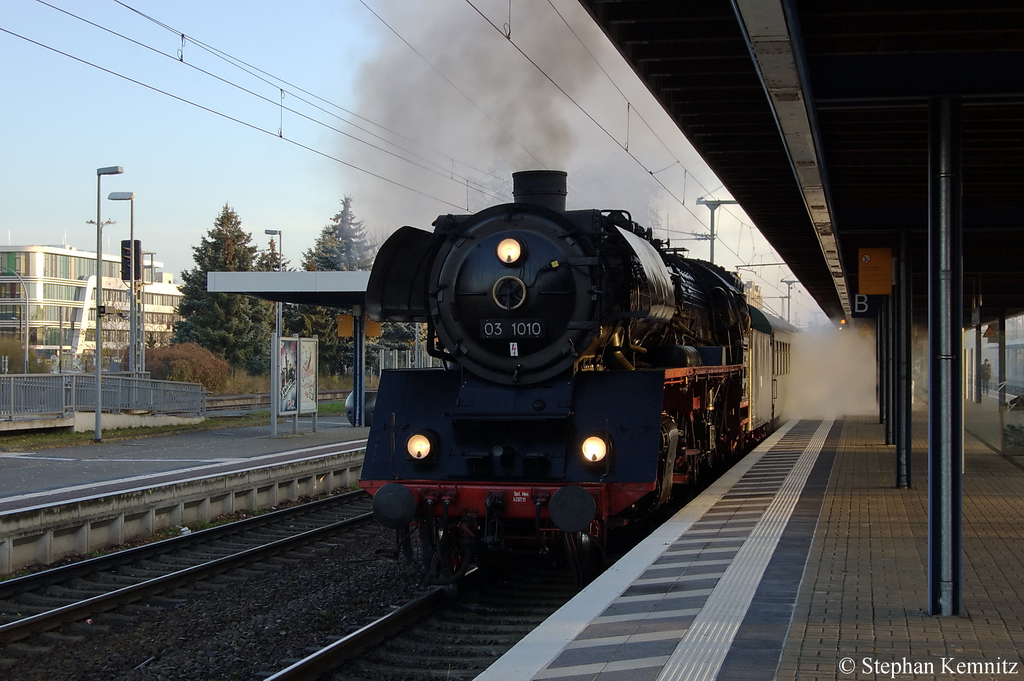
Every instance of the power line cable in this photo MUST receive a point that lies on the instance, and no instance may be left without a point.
(633, 108)
(449, 81)
(276, 81)
(230, 118)
(625, 148)
(437, 170)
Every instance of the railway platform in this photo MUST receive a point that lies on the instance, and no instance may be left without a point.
(802, 562)
(59, 474)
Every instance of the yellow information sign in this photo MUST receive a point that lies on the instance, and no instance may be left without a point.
(874, 271)
(373, 329)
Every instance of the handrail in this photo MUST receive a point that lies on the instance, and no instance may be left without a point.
(23, 395)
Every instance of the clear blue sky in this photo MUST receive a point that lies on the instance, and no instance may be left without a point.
(449, 106)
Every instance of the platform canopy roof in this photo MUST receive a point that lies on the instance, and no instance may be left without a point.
(814, 115)
(330, 289)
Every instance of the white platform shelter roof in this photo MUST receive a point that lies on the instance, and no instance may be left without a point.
(330, 289)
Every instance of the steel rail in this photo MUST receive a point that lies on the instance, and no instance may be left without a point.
(327, 659)
(53, 618)
(42, 579)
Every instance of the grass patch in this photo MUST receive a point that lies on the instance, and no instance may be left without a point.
(240, 383)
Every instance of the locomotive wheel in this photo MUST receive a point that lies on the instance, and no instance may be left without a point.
(444, 557)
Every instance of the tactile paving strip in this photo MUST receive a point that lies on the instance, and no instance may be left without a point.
(678, 619)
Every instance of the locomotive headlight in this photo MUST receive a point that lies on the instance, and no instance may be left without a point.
(594, 449)
(509, 251)
(421, 444)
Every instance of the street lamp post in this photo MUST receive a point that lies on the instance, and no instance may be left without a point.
(133, 315)
(280, 264)
(100, 172)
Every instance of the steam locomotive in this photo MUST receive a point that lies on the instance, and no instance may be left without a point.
(588, 369)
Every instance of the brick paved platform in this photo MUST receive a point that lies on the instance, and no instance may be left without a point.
(842, 596)
(864, 594)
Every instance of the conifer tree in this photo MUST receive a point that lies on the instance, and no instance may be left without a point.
(342, 244)
(235, 327)
(269, 260)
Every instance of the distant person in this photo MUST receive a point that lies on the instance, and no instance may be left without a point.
(986, 376)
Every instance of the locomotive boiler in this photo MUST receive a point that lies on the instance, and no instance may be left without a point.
(587, 368)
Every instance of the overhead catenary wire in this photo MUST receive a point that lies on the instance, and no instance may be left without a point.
(228, 117)
(437, 170)
(447, 172)
(275, 81)
(657, 136)
(586, 113)
(443, 172)
(449, 81)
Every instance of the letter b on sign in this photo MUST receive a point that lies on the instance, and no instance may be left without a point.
(864, 305)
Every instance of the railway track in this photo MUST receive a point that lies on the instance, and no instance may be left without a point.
(447, 633)
(75, 592)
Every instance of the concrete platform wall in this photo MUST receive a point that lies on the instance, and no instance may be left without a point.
(43, 535)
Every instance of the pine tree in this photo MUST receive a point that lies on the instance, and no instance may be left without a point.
(235, 327)
(342, 244)
(269, 260)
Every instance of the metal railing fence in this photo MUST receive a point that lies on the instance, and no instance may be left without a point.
(29, 395)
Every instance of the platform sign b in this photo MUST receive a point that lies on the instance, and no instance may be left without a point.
(864, 306)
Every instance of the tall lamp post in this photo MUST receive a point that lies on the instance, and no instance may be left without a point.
(100, 172)
(280, 264)
(24, 290)
(133, 314)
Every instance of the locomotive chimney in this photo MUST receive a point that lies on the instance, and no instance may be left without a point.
(540, 187)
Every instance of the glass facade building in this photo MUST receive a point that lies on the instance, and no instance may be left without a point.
(52, 289)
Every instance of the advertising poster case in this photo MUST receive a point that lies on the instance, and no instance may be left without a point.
(288, 364)
(308, 375)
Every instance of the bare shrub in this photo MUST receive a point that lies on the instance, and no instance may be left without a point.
(188, 362)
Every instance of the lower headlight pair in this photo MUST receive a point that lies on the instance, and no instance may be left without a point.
(423, 443)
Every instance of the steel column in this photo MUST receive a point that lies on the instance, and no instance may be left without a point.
(882, 336)
(977, 360)
(358, 365)
(1002, 361)
(945, 347)
(904, 358)
(275, 381)
(891, 413)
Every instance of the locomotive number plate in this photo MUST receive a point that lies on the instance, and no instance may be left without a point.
(511, 328)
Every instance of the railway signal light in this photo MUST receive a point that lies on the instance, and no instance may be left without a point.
(126, 260)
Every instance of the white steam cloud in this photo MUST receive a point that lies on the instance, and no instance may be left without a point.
(833, 375)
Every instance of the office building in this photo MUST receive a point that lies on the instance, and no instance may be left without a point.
(61, 310)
